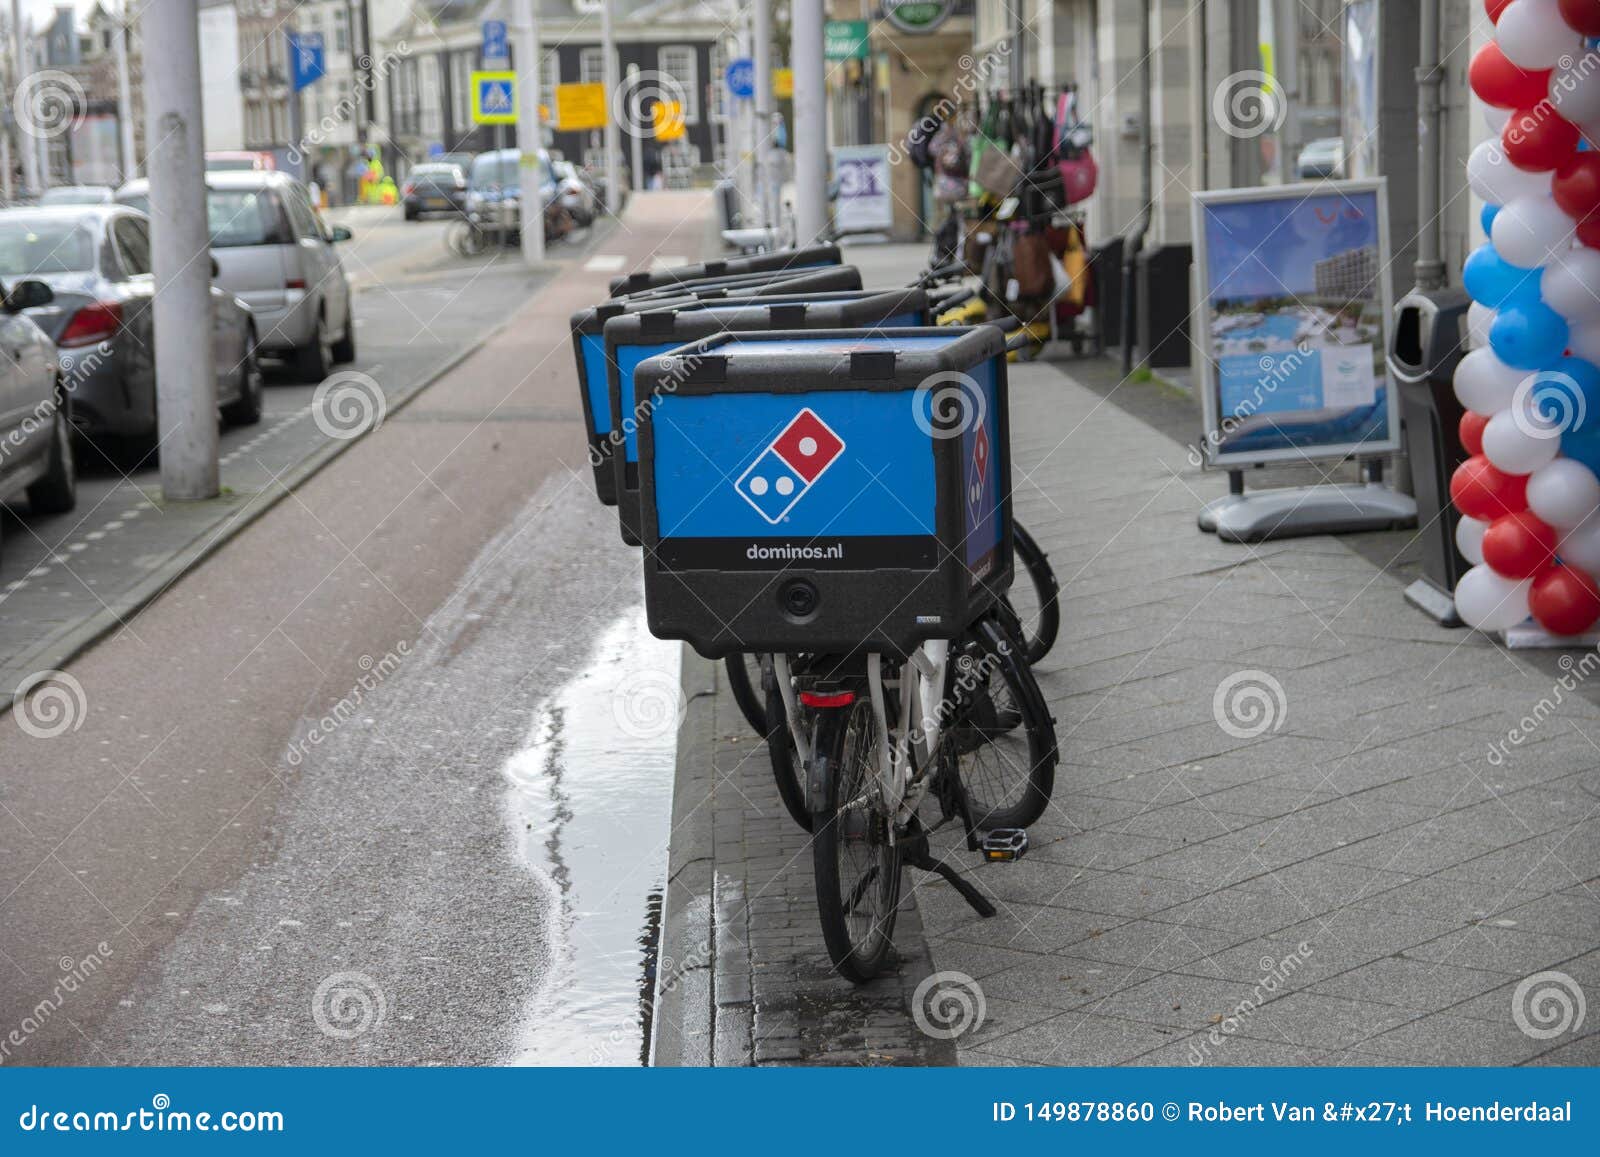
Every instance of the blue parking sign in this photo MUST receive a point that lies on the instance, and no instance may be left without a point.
(306, 64)
(495, 45)
(741, 77)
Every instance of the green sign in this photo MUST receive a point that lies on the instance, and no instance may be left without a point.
(844, 40)
(917, 15)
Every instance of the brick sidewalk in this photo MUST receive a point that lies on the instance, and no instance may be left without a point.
(1345, 876)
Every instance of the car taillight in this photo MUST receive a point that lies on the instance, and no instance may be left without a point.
(407, 189)
(94, 322)
(295, 283)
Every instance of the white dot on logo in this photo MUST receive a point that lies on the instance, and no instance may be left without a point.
(785, 486)
(808, 446)
(758, 486)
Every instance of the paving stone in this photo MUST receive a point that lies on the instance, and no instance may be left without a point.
(1079, 1039)
(1454, 1040)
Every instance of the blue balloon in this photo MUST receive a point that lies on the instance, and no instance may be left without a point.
(1494, 281)
(1583, 446)
(1490, 212)
(1567, 396)
(1528, 335)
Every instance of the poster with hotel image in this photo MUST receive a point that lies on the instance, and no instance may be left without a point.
(1295, 305)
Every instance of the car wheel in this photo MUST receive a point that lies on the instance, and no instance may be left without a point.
(247, 410)
(344, 350)
(57, 491)
(411, 214)
(315, 358)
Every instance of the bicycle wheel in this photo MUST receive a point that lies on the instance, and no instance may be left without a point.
(857, 866)
(1003, 732)
(751, 705)
(1037, 599)
(786, 768)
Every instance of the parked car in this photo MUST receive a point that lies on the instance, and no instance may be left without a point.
(96, 261)
(238, 161)
(494, 187)
(274, 251)
(1322, 159)
(78, 195)
(35, 424)
(575, 193)
(434, 188)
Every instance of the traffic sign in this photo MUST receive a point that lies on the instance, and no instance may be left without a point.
(496, 47)
(580, 106)
(845, 40)
(494, 98)
(306, 62)
(741, 77)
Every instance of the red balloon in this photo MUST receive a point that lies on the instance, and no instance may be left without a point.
(1576, 186)
(1519, 546)
(1538, 139)
(1471, 430)
(1502, 84)
(1495, 7)
(1583, 15)
(1564, 601)
(1480, 491)
(1589, 232)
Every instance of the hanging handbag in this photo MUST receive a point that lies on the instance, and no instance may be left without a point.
(1074, 160)
(1030, 265)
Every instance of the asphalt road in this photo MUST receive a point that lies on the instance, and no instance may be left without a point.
(314, 805)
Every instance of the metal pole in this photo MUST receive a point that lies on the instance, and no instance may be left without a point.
(810, 111)
(636, 135)
(613, 137)
(762, 58)
(1147, 212)
(530, 137)
(6, 191)
(23, 68)
(1429, 266)
(186, 384)
(130, 161)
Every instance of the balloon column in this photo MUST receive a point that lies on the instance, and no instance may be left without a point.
(1529, 495)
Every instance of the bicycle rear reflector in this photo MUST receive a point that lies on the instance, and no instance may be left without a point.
(631, 338)
(824, 491)
(810, 257)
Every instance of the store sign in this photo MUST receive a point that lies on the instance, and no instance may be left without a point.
(917, 15)
(844, 40)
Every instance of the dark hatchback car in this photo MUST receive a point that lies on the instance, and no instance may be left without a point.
(434, 188)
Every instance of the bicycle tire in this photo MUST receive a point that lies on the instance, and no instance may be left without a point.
(1004, 735)
(786, 769)
(1042, 624)
(851, 833)
(751, 705)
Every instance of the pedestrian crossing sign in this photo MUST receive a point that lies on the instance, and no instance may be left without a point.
(494, 98)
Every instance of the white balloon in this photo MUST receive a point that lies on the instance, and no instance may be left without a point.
(1484, 383)
(1469, 538)
(1496, 118)
(1575, 89)
(1479, 318)
(1571, 284)
(1494, 178)
(1518, 446)
(1532, 231)
(1533, 35)
(1584, 341)
(1491, 602)
(1563, 493)
(1580, 546)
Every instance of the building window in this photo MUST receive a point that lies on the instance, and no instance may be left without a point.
(549, 77)
(592, 65)
(461, 90)
(678, 62)
(341, 35)
(719, 92)
(431, 101)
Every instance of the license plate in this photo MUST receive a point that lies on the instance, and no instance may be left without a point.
(436, 202)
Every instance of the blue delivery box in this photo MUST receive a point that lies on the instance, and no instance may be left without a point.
(806, 257)
(825, 491)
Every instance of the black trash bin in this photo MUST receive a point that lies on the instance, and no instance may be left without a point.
(809, 257)
(1425, 345)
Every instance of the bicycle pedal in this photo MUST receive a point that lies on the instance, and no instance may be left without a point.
(1004, 845)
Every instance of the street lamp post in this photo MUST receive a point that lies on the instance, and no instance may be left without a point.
(528, 133)
(810, 136)
(130, 162)
(22, 67)
(186, 384)
(762, 58)
(613, 138)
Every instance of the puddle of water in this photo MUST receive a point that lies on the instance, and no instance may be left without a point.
(590, 795)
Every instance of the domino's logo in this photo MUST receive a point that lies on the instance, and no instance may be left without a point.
(790, 466)
(978, 474)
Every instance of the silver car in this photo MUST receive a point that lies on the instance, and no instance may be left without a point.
(96, 261)
(276, 254)
(35, 430)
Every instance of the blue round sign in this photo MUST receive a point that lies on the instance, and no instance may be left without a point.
(741, 77)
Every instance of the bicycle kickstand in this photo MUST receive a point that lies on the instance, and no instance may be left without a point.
(914, 853)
